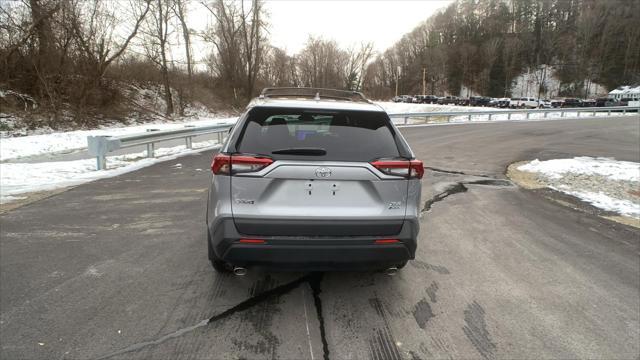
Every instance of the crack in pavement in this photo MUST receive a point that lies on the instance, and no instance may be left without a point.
(314, 283)
(455, 172)
(313, 279)
(459, 187)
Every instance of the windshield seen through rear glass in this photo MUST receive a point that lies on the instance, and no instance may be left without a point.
(298, 134)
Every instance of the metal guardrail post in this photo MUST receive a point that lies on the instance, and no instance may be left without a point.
(101, 162)
(220, 138)
(151, 147)
(608, 112)
(469, 117)
(561, 113)
(545, 114)
(188, 140)
(508, 116)
(448, 118)
(406, 118)
(490, 117)
(528, 115)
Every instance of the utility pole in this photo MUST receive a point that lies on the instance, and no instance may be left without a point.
(397, 79)
(424, 81)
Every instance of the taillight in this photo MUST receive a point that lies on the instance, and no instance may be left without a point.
(411, 169)
(221, 164)
(245, 164)
(234, 164)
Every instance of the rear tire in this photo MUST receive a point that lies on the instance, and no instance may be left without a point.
(402, 264)
(218, 264)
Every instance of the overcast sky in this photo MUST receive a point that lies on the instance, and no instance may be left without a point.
(349, 22)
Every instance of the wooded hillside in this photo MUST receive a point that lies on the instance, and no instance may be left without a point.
(484, 44)
(76, 58)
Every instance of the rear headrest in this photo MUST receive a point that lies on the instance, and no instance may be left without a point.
(340, 120)
(278, 121)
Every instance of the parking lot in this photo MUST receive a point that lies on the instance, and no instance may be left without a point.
(118, 268)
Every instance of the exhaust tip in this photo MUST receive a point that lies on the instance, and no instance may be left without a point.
(239, 271)
(391, 271)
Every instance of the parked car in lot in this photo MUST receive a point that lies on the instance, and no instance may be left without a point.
(556, 103)
(544, 104)
(322, 183)
(503, 102)
(462, 101)
(600, 102)
(571, 103)
(589, 103)
(407, 99)
(479, 101)
(426, 99)
(448, 100)
(402, 99)
(524, 102)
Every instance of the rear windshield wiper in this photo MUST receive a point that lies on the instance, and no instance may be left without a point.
(301, 151)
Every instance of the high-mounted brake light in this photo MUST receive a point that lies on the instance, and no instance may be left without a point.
(411, 169)
(234, 164)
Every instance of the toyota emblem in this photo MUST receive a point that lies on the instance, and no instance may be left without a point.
(323, 172)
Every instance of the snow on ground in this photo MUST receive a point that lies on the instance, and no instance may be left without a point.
(17, 147)
(603, 182)
(21, 178)
(615, 170)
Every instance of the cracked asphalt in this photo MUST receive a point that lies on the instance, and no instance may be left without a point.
(118, 268)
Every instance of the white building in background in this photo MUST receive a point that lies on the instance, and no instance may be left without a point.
(625, 92)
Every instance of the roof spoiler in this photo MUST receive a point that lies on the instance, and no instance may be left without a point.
(313, 93)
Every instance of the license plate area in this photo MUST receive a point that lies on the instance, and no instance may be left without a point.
(321, 188)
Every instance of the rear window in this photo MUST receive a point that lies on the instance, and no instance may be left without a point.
(324, 135)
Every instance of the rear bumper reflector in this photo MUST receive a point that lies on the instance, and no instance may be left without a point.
(252, 241)
(386, 241)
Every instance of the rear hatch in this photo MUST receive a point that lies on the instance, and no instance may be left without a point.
(318, 173)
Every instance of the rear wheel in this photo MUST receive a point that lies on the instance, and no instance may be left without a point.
(218, 264)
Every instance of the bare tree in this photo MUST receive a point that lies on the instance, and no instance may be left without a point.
(94, 26)
(354, 70)
(156, 42)
(181, 13)
(239, 42)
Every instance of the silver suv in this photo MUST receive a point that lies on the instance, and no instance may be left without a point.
(313, 179)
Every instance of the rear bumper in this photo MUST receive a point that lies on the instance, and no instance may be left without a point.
(313, 252)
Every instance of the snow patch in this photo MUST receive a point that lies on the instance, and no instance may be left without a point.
(605, 183)
(20, 178)
(612, 169)
(60, 142)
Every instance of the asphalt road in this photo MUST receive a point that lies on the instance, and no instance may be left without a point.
(118, 268)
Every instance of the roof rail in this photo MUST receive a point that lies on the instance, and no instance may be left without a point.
(314, 93)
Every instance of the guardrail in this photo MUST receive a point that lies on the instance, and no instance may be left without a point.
(492, 114)
(100, 146)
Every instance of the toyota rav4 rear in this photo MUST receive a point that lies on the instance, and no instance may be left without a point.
(322, 182)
